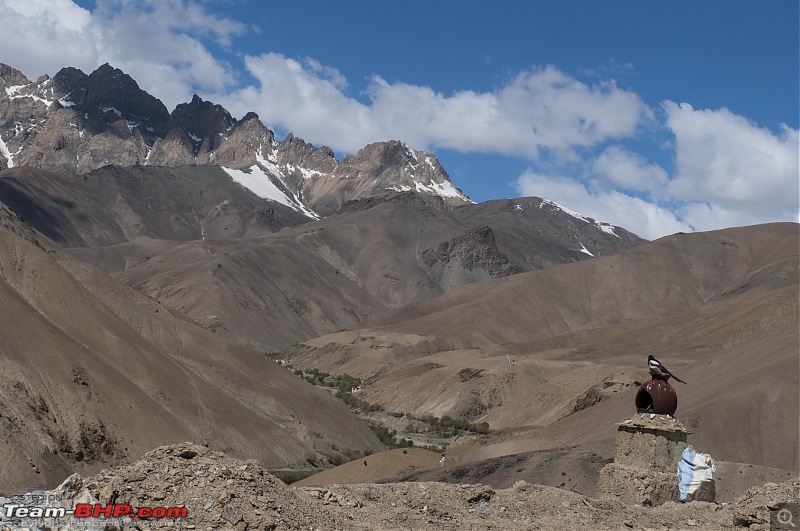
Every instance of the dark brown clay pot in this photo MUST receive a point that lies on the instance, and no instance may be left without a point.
(657, 396)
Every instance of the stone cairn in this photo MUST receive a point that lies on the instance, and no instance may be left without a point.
(647, 450)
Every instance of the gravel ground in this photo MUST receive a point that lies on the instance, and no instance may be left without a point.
(220, 492)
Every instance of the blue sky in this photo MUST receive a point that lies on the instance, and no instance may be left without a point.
(657, 116)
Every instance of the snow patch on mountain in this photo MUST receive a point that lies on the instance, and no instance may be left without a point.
(66, 102)
(563, 209)
(445, 189)
(15, 92)
(430, 163)
(261, 181)
(411, 153)
(310, 174)
(258, 181)
(605, 227)
(6, 153)
(271, 157)
(305, 172)
(12, 91)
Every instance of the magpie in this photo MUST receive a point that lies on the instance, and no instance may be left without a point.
(656, 369)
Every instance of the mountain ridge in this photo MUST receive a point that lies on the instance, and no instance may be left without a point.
(78, 123)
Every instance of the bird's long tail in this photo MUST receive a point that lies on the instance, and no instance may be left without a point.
(676, 378)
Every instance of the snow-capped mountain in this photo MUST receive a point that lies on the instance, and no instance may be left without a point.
(77, 123)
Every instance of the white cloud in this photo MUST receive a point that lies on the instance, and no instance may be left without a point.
(706, 216)
(40, 35)
(637, 215)
(327, 73)
(725, 159)
(728, 172)
(302, 100)
(541, 109)
(59, 14)
(628, 170)
(158, 43)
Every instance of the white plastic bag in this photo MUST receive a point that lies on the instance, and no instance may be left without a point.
(696, 476)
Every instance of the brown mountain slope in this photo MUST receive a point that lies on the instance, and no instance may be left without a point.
(84, 387)
(559, 236)
(273, 291)
(672, 274)
(739, 352)
(206, 247)
(113, 206)
(302, 282)
(266, 295)
(738, 357)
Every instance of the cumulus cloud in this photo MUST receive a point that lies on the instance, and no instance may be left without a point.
(628, 170)
(303, 98)
(539, 109)
(638, 215)
(159, 43)
(728, 172)
(42, 34)
(726, 160)
(708, 216)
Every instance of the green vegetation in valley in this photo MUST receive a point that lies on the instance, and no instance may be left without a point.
(389, 438)
(449, 427)
(444, 427)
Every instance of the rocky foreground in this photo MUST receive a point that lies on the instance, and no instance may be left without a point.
(220, 492)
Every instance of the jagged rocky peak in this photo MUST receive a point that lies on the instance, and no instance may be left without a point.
(10, 76)
(380, 156)
(109, 86)
(248, 142)
(21, 90)
(395, 158)
(201, 119)
(79, 122)
(25, 107)
(378, 169)
(396, 166)
(297, 152)
(195, 130)
(109, 94)
(67, 81)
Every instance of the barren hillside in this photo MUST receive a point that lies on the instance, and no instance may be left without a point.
(85, 387)
(553, 358)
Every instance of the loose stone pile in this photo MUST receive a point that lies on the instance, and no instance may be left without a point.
(220, 492)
